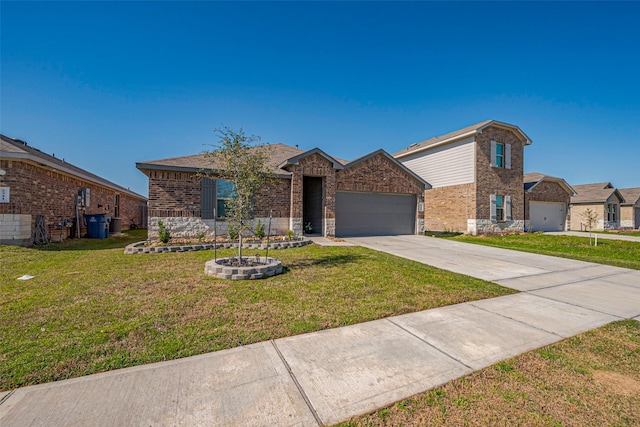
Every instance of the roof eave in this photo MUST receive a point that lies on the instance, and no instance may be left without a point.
(77, 173)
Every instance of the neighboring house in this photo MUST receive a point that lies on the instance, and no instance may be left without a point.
(374, 194)
(630, 209)
(546, 202)
(603, 199)
(476, 174)
(33, 183)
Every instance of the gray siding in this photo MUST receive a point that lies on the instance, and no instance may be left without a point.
(451, 164)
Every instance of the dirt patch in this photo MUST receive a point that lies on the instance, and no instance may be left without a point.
(617, 383)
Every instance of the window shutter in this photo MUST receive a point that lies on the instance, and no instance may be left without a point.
(507, 156)
(493, 155)
(507, 207)
(207, 198)
(493, 207)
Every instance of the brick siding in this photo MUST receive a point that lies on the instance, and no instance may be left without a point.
(546, 191)
(502, 181)
(448, 208)
(35, 190)
(577, 216)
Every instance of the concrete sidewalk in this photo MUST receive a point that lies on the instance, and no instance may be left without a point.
(329, 376)
(605, 236)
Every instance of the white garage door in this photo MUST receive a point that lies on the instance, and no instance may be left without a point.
(374, 214)
(546, 216)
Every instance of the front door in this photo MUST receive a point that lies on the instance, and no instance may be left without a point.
(312, 205)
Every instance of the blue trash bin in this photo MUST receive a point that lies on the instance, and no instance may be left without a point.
(97, 225)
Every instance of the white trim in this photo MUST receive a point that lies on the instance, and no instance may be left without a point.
(494, 160)
(492, 201)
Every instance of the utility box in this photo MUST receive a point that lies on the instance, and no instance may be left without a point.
(97, 226)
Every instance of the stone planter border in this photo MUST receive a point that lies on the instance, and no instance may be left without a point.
(272, 267)
(140, 248)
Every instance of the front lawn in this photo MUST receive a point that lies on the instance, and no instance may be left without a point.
(91, 308)
(618, 253)
(592, 379)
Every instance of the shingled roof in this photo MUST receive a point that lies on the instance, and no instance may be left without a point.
(631, 195)
(595, 193)
(278, 154)
(460, 134)
(532, 179)
(17, 149)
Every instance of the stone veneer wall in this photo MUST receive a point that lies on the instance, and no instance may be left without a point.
(191, 227)
(491, 180)
(35, 190)
(546, 191)
(449, 208)
(15, 229)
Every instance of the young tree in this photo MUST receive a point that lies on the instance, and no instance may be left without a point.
(590, 217)
(236, 159)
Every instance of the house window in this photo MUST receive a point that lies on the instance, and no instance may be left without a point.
(224, 194)
(500, 155)
(500, 208)
(214, 198)
(612, 212)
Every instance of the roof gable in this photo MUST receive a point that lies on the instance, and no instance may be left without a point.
(381, 152)
(595, 193)
(296, 159)
(532, 179)
(459, 134)
(631, 195)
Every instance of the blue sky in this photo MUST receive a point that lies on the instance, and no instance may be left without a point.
(109, 84)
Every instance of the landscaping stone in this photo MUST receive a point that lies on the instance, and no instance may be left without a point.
(217, 268)
(140, 248)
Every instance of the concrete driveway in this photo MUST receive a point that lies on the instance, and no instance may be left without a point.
(329, 376)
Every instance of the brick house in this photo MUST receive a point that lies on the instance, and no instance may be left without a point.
(374, 194)
(33, 183)
(476, 175)
(546, 202)
(603, 199)
(630, 208)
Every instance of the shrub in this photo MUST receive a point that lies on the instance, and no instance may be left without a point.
(260, 230)
(163, 233)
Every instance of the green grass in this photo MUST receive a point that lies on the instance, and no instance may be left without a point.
(91, 308)
(611, 252)
(635, 233)
(591, 379)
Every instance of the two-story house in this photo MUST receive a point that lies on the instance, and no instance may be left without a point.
(476, 175)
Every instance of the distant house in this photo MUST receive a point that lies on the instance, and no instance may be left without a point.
(314, 192)
(630, 209)
(546, 200)
(34, 183)
(476, 178)
(603, 199)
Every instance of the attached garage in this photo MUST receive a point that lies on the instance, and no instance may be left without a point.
(545, 202)
(547, 216)
(374, 214)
